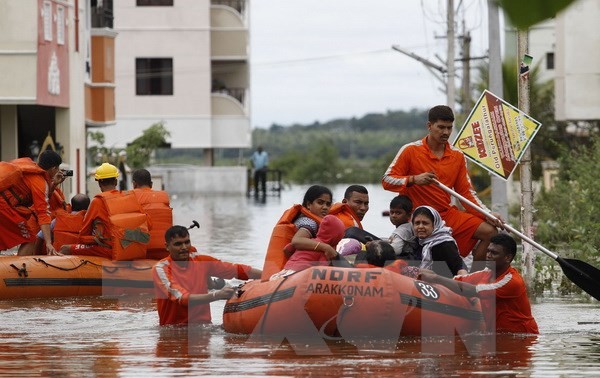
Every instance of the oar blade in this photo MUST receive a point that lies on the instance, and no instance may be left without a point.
(582, 274)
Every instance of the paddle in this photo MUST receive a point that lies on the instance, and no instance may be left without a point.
(580, 273)
(194, 224)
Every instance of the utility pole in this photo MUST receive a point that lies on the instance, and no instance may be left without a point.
(526, 187)
(450, 88)
(466, 103)
(499, 192)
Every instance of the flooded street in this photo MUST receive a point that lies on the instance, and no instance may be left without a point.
(106, 337)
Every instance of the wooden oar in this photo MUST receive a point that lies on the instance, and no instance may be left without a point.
(579, 272)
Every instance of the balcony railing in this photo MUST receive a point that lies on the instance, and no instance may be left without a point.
(237, 93)
(103, 16)
(238, 5)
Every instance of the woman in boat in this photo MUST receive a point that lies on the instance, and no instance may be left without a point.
(330, 231)
(436, 242)
(296, 230)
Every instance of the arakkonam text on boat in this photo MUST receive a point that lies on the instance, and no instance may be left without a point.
(334, 302)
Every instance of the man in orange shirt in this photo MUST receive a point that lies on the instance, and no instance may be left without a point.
(419, 163)
(500, 287)
(24, 203)
(181, 280)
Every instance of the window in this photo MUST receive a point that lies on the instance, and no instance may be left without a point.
(550, 61)
(60, 25)
(47, 12)
(153, 76)
(154, 3)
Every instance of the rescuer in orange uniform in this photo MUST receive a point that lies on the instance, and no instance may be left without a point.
(24, 200)
(419, 163)
(156, 204)
(181, 280)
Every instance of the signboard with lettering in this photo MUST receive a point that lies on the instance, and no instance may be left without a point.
(496, 134)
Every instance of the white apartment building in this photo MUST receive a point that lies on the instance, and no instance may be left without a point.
(577, 81)
(566, 49)
(44, 46)
(184, 63)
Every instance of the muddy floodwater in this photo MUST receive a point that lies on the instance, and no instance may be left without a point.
(120, 337)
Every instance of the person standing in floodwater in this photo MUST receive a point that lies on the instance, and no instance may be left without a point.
(260, 162)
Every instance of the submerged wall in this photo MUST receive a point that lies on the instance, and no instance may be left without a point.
(190, 179)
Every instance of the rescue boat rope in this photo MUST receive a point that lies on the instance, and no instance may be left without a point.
(347, 302)
(112, 269)
(85, 262)
(264, 317)
(21, 271)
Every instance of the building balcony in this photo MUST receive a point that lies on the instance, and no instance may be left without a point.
(229, 101)
(102, 16)
(100, 91)
(103, 55)
(99, 104)
(229, 32)
(239, 6)
(230, 122)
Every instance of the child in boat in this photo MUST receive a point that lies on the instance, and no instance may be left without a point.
(403, 240)
(331, 231)
(380, 253)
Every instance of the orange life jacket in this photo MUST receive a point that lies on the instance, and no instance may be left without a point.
(128, 225)
(344, 213)
(282, 234)
(58, 203)
(66, 228)
(12, 187)
(156, 204)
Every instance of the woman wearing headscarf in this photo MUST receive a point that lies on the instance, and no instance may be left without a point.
(437, 243)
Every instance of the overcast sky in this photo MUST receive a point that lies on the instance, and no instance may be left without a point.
(316, 60)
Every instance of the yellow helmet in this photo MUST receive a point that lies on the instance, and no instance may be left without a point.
(106, 171)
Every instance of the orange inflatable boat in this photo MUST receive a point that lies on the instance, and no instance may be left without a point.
(348, 303)
(71, 276)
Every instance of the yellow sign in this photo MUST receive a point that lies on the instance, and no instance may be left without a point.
(496, 134)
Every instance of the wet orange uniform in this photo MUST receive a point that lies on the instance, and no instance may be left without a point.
(95, 233)
(504, 300)
(156, 204)
(24, 205)
(114, 227)
(66, 227)
(174, 282)
(451, 169)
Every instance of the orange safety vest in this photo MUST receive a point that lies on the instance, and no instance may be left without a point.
(66, 228)
(12, 187)
(128, 225)
(156, 204)
(57, 203)
(282, 234)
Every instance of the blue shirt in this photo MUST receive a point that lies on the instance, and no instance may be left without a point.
(260, 159)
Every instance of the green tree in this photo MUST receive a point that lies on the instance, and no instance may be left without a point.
(140, 150)
(524, 14)
(568, 217)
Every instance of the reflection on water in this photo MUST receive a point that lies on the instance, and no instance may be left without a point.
(87, 337)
